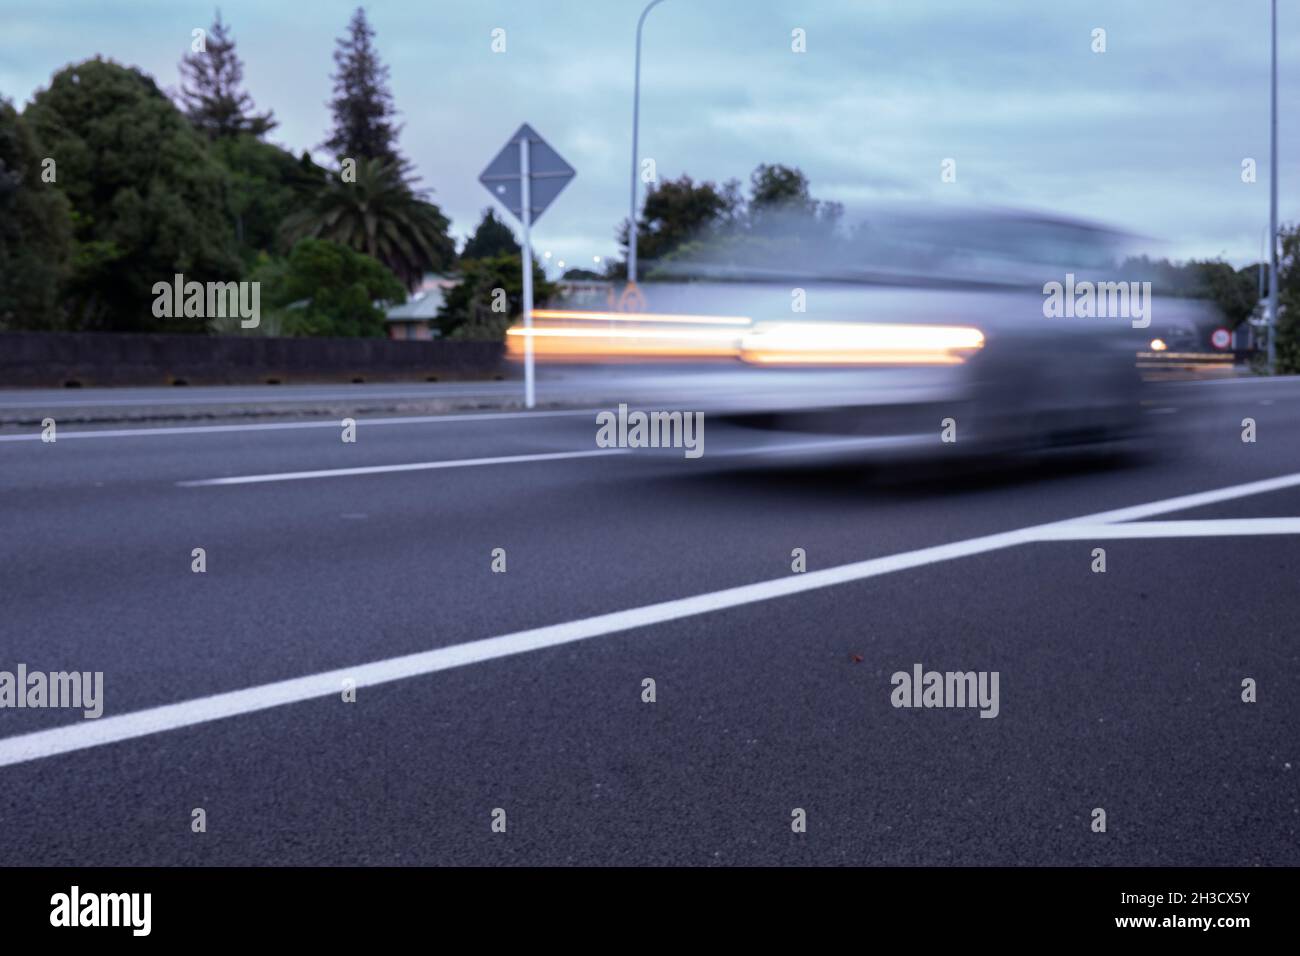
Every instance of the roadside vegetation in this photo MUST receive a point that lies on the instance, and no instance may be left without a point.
(108, 186)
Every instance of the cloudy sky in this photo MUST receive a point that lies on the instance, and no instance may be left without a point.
(1149, 136)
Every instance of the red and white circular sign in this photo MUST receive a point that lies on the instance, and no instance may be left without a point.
(1221, 338)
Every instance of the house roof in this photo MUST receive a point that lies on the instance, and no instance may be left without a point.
(424, 302)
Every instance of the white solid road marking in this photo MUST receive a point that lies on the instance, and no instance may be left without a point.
(281, 426)
(412, 466)
(107, 730)
(1251, 380)
(1211, 528)
(1187, 502)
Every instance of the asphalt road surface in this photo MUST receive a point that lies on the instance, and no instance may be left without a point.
(478, 691)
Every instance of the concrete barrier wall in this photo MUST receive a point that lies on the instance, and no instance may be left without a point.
(56, 359)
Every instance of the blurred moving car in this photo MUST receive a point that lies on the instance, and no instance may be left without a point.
(944, 345)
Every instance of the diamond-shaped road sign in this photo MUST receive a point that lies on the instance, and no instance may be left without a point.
(548, 174)
(526, 176)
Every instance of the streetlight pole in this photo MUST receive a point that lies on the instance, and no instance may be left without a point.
(1272, 216)
(636, 119)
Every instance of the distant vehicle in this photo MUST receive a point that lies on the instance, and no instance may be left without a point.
(1180, 343)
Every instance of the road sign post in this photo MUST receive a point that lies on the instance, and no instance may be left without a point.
(526, 208)
(525, 177)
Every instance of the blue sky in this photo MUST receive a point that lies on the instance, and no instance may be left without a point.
(1148, 136)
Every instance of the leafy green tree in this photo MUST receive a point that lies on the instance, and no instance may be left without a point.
(780, 203)
(381, 216)
(1288, 301)
(35, 232)
(683, 221)
(1234, 291)
(467, 311)
(363, 105)
(677, 211)
(773, 185)
(265, 186)
(324, 288)
(148, 199)
(211, 89)
(492, 238)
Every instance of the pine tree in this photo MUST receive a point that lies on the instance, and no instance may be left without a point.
(211, 92)
(362, 105)
(492, 238)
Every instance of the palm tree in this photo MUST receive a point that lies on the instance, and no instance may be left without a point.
(380, 215)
